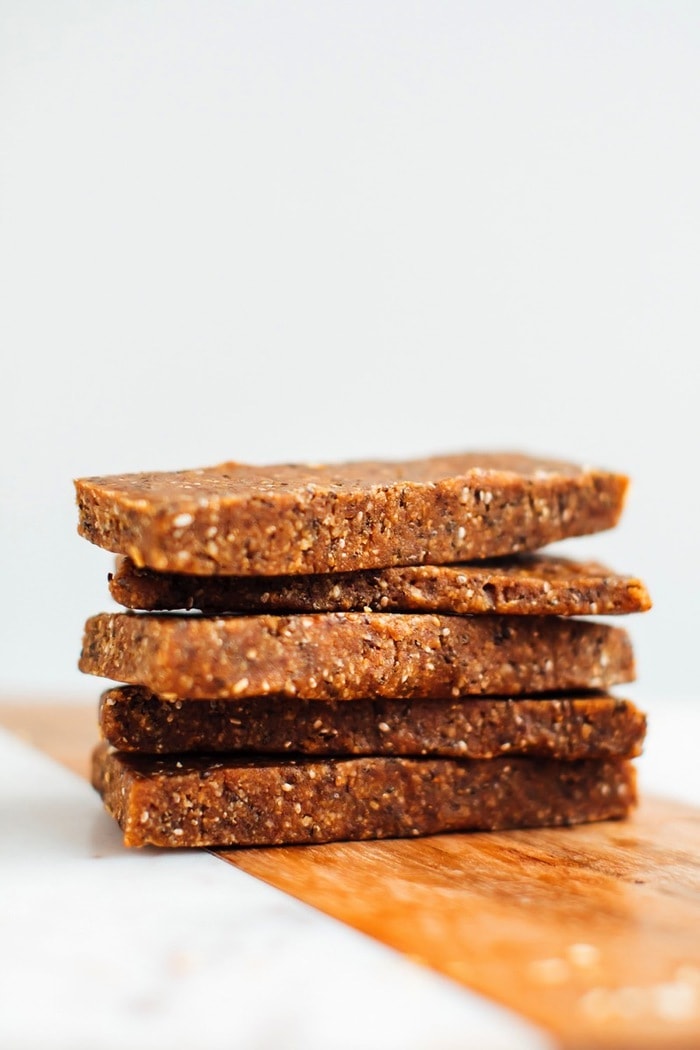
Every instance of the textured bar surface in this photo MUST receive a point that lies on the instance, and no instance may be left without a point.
(350, 656)
(248, 520)
(521, 585)
(213, 802)
(132, 719)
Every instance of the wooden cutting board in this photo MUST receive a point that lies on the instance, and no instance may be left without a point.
(591, 932)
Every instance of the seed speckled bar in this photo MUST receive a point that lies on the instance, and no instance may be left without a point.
(563, 727)
(235, 519)
(349, 656)
(532, 585)
(220, 802)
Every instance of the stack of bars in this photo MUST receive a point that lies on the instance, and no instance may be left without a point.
(359, 651)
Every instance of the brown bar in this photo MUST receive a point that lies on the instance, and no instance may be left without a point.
(228, 802)
(523, 585)
(132, 719)
(350, 656)
(248, 520)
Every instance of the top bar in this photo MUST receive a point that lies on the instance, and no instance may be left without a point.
(234, 519)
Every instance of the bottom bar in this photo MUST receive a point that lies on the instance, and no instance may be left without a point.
(215, 801)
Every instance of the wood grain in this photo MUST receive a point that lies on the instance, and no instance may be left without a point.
(592, 932)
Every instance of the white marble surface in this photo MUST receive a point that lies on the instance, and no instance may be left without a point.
(103, 948)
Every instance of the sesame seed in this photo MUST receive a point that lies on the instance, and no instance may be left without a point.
(596, 1003)
(583, 955)
(549, 971)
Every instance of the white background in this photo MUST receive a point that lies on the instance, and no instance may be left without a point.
(278, 231)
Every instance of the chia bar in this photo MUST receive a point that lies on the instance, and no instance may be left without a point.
(563, 727)
(216, 802)
(350, 656)
(521, 585)
(235, 519)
